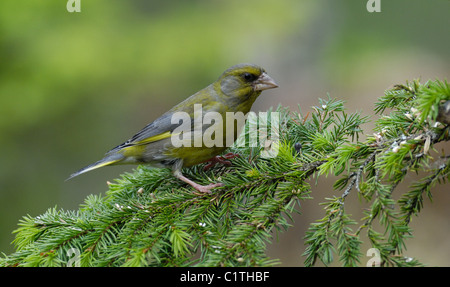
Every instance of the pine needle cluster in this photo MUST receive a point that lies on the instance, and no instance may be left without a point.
(149, 218)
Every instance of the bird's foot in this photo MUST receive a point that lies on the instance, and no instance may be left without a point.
(200, 188)
(222, 159)
(206, 188)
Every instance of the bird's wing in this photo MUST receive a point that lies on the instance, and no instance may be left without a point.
(157, 130)
(160, 129)
(163, 127)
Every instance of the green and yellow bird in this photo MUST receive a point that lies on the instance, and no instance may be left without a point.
(235, 91)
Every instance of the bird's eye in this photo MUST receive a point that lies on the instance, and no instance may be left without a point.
(249, 77)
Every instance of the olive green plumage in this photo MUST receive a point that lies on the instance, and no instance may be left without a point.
(235, 91)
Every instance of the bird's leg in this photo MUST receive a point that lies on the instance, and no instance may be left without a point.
(220, 159)
(198, 187)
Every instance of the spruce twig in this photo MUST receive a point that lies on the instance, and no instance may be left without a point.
(148, 218)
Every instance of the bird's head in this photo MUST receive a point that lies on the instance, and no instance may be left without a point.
(244, 82)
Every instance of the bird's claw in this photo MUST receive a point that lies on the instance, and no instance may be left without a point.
(207, 188)
(222, 159)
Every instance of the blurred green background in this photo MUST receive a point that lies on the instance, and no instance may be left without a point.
(74, 85)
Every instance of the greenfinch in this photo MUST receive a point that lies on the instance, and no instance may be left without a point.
(234, 91)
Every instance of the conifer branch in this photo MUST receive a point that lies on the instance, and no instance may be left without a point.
(149, 218)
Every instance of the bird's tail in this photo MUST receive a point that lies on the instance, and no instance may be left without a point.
(108, 160)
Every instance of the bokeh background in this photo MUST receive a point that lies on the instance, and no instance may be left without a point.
(74, 85)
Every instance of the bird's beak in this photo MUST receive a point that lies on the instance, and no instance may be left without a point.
(264, 82)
